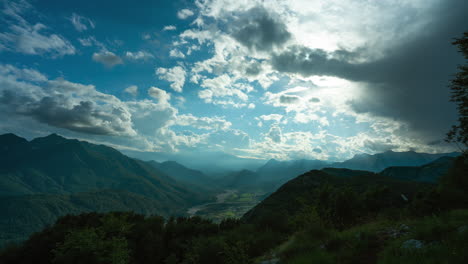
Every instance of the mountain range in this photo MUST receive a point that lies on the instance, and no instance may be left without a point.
(52, 176)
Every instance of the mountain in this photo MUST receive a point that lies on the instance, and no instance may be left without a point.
(239, 179)
(184, 174)
(56, 165)
(25, 214)
(430, 172)
(381, 161)
(48, 177)
(210, 163)
(283, 171)
(303, 190)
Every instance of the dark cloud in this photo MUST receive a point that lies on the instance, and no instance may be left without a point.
(260, 30)
(107, 58)
(379, 145)
(83, 117)
(317, 150)
(254, 69)
(409, 83)
(288, 99)
(314, 100)
(275, 134)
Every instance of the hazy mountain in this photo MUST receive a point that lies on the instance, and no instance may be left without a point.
(381, 161)
(282, 171)
(184, 175)
(430, 172)
(54, 164)
(210, 163)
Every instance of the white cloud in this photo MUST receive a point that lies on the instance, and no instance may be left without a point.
(275, 134)
(62, 104)
(176, 54)
(222, 86)
(107, 58)
(133, 90)
(271, 117)
(139, 55)
(162, 96)
(175, 75)
(169, 28)
(81, 23)
(207, 123)
(184, 13)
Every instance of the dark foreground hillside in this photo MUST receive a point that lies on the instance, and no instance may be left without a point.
(330, 216)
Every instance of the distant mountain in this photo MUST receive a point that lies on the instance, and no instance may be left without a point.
(239, 179)
(211, 163)
(430, 172)
(184, 175)
(283, 171)
(381, 161)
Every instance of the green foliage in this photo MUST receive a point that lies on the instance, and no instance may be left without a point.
(459, 89)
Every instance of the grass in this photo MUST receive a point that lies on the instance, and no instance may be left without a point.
(444, 239)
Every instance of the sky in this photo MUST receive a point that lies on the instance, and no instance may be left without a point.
(283, 79)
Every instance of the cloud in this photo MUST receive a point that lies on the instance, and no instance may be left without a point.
(176, 54)
(275, 134)
(132, 90)
(169, 28)
(223, 86)
(175, 75)
(184, 13)
(81, 23)
(31, 39)
(260, 30)
(407, 81)
(289, 99)
(271, 117)
(139, 55)
(62, 104)
(206, 123)
(162, 96)
(107, 58)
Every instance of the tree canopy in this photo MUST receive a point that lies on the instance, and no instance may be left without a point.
(459, 90)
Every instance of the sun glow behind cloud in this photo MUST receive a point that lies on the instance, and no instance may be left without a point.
(285, 79)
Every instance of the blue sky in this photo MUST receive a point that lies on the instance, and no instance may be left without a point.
(295, 79)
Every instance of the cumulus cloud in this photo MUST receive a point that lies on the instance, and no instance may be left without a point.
(175, 75)
(162, 96)
(138, 55)
(184, 13)
(107, 58)
(176, 54)
(260, 30)
(275, 134)
(206, 123)
(271, 117)
(27, 38)
(288, 99)
(132, 90)
(169, 28)
(81, 23)
(62, 104)
(224, 86)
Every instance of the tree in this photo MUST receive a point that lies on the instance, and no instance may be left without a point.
(459, 91)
